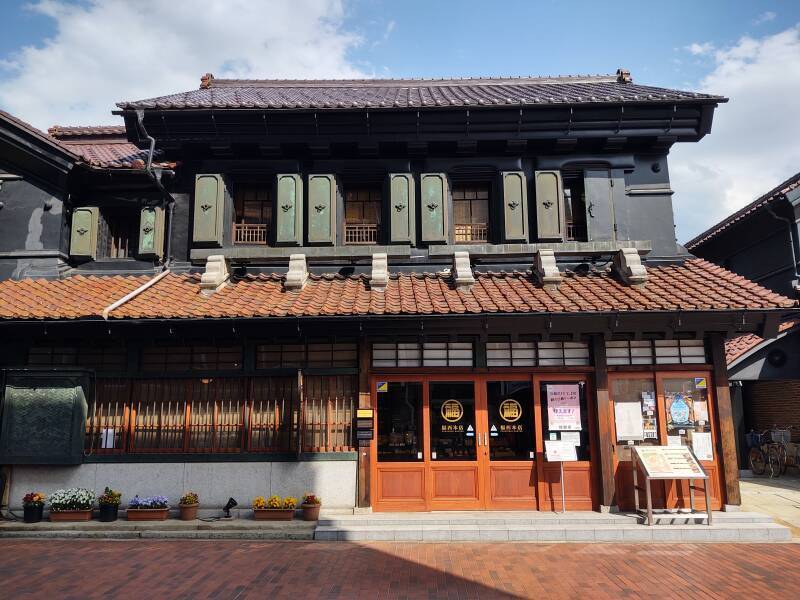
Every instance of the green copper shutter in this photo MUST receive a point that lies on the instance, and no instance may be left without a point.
(401, 208)
(515, 206)
(151, 231)
(289, 210)
(433, 206)
(549, 206)
(83, 237)
(44, 417)
(209, 209)
(321, 209)
(599, 205)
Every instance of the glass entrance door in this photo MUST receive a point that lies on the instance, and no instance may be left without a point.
(455, 477)
(510, 468)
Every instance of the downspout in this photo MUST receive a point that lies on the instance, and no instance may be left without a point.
(792, 238)
(170, 201)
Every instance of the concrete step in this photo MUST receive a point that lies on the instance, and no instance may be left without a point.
(736, 532)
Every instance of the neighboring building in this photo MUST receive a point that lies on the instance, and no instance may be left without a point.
(762, 243)
(457, 255)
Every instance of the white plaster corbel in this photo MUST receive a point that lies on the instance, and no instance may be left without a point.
(215, 276)
(545, 269)
(462, 270)
(379, 278)
(297, 275)
(628, 266)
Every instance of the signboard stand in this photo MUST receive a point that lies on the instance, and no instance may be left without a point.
(560, 451)
(668, 463)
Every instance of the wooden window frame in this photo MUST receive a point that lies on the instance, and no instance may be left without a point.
(257, 232)
(471, 231)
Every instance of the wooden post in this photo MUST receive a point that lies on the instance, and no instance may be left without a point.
(727, 432)
(364, 401)
(605, 436)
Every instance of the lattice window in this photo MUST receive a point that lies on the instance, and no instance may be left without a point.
(648, 352)
(396, 354)
(101, 358)
(316, 354)
(471, 213)
(116, 234)
(191, 358)
(252, 206)
(362, 207)
(542, 354)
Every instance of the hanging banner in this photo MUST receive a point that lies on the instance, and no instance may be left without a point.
(564, 407)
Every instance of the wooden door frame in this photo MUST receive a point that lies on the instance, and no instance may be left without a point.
(593, 462)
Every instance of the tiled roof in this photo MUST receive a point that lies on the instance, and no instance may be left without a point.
(695, 285)
(104, 146)
(739, 346)
(757, 204)
(416, 93)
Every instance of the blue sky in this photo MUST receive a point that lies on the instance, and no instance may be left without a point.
(68, 61)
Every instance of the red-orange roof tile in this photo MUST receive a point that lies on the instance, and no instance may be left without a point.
(695, 285)
(739, 346)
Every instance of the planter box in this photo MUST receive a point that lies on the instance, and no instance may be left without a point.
(71, 515)
(148, 514)
(188, 511)
(273, 514)
(310, 511)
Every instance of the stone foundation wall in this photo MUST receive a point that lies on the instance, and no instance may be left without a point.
(333, 480)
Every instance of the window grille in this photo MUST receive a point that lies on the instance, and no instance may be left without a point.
(533, 354)
(429, 354)
(101, 358)
(191, 358)
(315, 354)
(222, 415)
(661, 352)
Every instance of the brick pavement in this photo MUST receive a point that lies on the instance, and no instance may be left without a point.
(234, 569)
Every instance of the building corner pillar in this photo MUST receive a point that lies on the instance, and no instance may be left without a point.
(727, 432)
(607, 496)
(364, 452)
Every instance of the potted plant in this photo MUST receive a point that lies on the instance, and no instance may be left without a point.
(33, 506)
(274, 509)
(311, 505)
(109, 505)
(189, 504)
(151, 508)
(73, 504)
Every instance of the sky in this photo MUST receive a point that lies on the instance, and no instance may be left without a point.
(68, 61)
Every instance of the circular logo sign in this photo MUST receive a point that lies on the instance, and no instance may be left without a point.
(452, 411)
(510, 410)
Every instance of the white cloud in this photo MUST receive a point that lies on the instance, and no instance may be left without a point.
(111, 50)
(765, 17)
(755, 140)
(698, 49)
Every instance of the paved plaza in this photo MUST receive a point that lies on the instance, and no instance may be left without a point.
(236, 569)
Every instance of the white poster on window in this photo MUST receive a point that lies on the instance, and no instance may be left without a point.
(560, 451)
(564, 407)
(573, 437)
(701, 444)
(700, 410)
(674, 440)
(628, 417)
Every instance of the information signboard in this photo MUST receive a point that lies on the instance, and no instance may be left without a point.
(669, 462)
(560, 451)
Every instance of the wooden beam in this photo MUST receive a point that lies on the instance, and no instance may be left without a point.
(364, 401)
(727, 432)
(604, 434)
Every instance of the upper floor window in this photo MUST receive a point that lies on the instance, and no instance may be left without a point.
(116, 234)
(252, 206)
(362, 215)
(471, 213)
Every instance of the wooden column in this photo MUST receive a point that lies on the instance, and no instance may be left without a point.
(727, 432)
(364, 401)
(604, 434)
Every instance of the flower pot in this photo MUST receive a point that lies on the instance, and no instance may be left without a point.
(109, 512)
(71, 515)
(273, 514)
(310, 511)
(189, 511)
(148, 514)
(32, 514)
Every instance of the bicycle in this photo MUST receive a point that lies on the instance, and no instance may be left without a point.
(763, 455)
(780, 440)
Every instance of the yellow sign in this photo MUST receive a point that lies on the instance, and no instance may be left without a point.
(700, 383)
(363, 413)
(510, 410)
(383, 386)
(452, 411)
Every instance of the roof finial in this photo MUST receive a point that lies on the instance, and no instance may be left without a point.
(624, 76)
(205, 81)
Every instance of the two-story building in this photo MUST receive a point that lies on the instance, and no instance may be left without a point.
(481, 265)
(761, 241)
